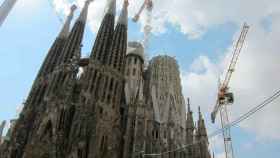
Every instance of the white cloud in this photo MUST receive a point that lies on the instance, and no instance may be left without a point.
(193, 18)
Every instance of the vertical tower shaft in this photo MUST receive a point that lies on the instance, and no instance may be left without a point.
(24, 126)
(103, 40)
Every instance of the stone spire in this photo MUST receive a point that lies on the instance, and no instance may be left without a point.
(104, 36)
(66, 27)
(202, 136)
(74, 41)
(119, 44)
(123, 16)
(34, 100)
(201, 124)
(111, 8)
(189, 129)
(84, 13)
(52, 57)
(2, 126)
(190, 122)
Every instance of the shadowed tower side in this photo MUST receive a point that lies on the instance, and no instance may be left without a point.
(23, 126)
(98, 118)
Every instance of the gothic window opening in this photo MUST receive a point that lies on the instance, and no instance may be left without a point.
(47, 133)
(157, 134)
(80, 153)
(61, 119)
(72, 111)
(133, 123)
(101, 111)
(103, 145)
(111, 84)
(105, 89)
(135, 60)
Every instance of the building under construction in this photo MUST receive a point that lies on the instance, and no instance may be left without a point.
(117, 108)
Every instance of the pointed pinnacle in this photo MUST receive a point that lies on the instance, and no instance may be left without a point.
(83, 15)
(189, 105)
(111, 8)
(199, 112)
(66, 27)
(123, 16)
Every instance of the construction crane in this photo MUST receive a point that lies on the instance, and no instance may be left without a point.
(148, 5)
(225, 97)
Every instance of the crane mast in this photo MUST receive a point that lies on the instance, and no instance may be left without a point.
(225, 97)
(148, 5)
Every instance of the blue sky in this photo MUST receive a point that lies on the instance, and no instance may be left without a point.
(202, 48)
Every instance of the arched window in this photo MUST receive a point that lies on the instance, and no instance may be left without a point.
(47, 132)
(70, 119)
(103, 145)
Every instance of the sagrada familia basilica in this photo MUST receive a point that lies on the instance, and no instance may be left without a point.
(115, 108)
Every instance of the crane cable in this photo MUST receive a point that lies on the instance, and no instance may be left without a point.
(232, 124)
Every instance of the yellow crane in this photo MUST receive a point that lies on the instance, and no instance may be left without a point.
(225, 97)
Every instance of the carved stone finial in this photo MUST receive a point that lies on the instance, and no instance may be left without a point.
(83, 15)
(111, 8)
(123, 16)
(66, 27)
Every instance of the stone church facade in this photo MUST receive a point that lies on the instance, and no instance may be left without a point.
(116, 108)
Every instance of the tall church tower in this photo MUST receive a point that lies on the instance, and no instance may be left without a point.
(97, 129)
(54, 123)
(189, 130)
(135, 131)
(24, 125)
(201, 147)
